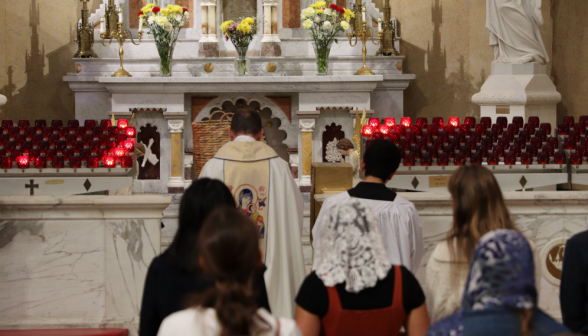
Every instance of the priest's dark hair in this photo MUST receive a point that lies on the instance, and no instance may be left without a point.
(229, 252)
(246, 121)
(381, 159)
(198, 201)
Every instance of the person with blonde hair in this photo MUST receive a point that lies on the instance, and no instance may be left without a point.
(478, 208)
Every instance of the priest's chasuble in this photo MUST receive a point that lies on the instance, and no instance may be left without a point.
(264, 190)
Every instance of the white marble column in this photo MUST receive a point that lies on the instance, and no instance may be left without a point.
(204, 13)
(270, 42)
(175, 185)
(212, 22)
(208, 44)
(306, 129)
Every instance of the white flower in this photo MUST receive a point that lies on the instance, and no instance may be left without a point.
(186, 16)
(309, 11)
(179, 17)
(151, 19)
(168, 27)
(317, 19)
(162, 21)
(328, 11)
(345, 25)
(327, 25)
(307, 24)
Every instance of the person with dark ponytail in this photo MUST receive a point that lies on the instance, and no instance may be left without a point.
(176, 273)
(228, 251)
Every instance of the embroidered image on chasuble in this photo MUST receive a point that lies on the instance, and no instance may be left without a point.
(249, 183)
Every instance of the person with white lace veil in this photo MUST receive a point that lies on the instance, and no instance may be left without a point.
(354, 289)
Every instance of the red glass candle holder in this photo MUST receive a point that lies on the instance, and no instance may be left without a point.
(449, 149)
(433, 151)
(525, 135)
(563, 129)
(6, 162)
(519, 121)
(7, 124)
(130, 131)
(554, 142)
(415, 151)
(26, 145)
(476, 136)
(450, 130)
(443, 136)
(67, 153)
(481, 128)
(97, 131)
(454, 121)
(60, 145)
(576, 159)
(94, 145)
(502, 121)
(534, 121)
(422, 122)
(384, 129)
(87, 138)
(30, 131)
(85, 153)
(47, 132)
(526, 158)
(529, 128)
(535, 141)
(515, 150)
(128, 145)
(510, 159)
(520, 142)
(575, 135)
(459, 159)
(422, 144)
(497, 128)
(471, 143)
(455, 143)
(50, 153)
(582, 150)
(559, 158)
(57, 162)
(13, 132)
(569, 144)
(20, 139)
(411, 137)
(404, 145)
(118, 152)
(3, 139)
(394, 137)
(492, 159)
(34, 153)
(63, 132)
(124, 123)
(433, 130)
(89, 124)
(390, 122)
(408, 160)
(105, 124)
(465, 151)
(499, 151)
(10, 145)
(367, 131)
(483, 151)
(569, 120)
(126, 162)
(532, 149)
(104, 139)
(406, 122)
(543, 158)
(109, 161)
(36, 140)
(514, 128)
(73, 124)
(41, 162)
(80, 132)
(486, 121)
(22, 124)
(70, 139)
(401, 130)
(486, 143)
(581, 128)
(75, 162)
(442, 159)
(546, 127)
(584, 120)
(438, 143)
(492, 135)
(438, 121)
(416, 129)
(374, 122)
(548, 149)
(426, 160)
(93, 162)
(471, 121)
(378, 136)
(44, 146)
(476, 159)
(23, 162)
(56, 123)
(465, 128)
(77, 146)
(459, 135)
(541, 135)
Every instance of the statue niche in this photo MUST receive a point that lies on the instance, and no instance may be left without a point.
(331, 133)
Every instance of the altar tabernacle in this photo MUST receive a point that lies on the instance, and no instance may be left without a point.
(264, 189)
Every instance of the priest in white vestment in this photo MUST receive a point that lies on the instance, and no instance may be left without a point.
(514, 31)
(265, 190)
(399, 221)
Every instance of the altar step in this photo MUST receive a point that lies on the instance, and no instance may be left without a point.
(170, 226)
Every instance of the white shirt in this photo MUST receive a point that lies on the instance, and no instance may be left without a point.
(399, 224)
(244, 138)
(204, 322)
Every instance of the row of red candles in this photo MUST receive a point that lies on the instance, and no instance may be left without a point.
(90, 146)
(492, 159)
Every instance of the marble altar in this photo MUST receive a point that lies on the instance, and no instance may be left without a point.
(542, 216)
(76, 261)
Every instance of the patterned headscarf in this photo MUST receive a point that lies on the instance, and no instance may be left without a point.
(350, 248)
(502, 274)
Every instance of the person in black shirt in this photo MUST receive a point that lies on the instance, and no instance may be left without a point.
(573, 293)
(175, 274)
(354, 288)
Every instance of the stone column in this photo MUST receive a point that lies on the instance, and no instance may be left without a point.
(208, 44)
(175, 185)
(270, 43)
(306, 129)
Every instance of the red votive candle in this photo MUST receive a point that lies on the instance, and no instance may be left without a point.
(13, 132)
(459, 159)
(408, 160)
(438, 143)
(486, 121)
(422, 144)
(534, 121)
(44, 146)
(576, 159)
(584, 120)
(433, 130)
(532, 149)
(548, 149)
(580, 128)
(433, 151)
(89, 124)
(367, 131)
(378, 136)
(47, 132)
(510, 159)
(442, 159)
(129, 145)
(415, 151)
(515, 150)
(105, 124)
(526, 158)
(75, 162)
(581, 150)
(502, 121)
(529, 128)
(546, 127)
(399, 129)
(465, 151)
(559, 158)
(450, 130)
(519, 121)
(384, 129)
(390, 122)
(124, 123)
(73, 125)
(541, 135)
(543, 158)
(394, 137)
(126, 162)
(109, 161)
(492, 159)
(423, 122)
(56, 123)
(411, 137)
(575, 135)
(93, 162)
(569, 144)
(471, 143)
(57, 162)
(483, 151)
(374, 122)
(6, 162)
(454, 121)
(553, 141)
(569, 120)
(63, 132)
(499, 150)
(404, 145)
(476, 159)
(438, 121)
(471, 121)
(416, 129)
(406, 122)
(536, 142)
(497, 128)
(41, 162)
(426, 160)
(23, 162)
(22, 124)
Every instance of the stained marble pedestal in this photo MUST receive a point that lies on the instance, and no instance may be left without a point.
(271, 49)
(76, 261)
(208, 49)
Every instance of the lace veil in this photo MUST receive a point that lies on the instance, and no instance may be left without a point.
(350, 248)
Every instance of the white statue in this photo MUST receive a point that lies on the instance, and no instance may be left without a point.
(345, 146)
(514, 31)
(332, 152)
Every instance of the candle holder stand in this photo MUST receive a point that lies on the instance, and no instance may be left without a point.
(121, 36)
(364, 34)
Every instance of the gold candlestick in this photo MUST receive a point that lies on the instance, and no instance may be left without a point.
(121, 35)
(388, 34)
(363, 34)
(85, 35)
(111, 18)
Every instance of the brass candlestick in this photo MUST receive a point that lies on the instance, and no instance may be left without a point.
(111, 18)
(355, 21)
(85, 35)
(387, 35)
(121, 35)
(363, 34)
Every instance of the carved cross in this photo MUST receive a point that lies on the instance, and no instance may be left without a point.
(32, 187)
(149, 156)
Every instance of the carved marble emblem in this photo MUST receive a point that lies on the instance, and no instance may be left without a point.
(208, 67)
(552, 260)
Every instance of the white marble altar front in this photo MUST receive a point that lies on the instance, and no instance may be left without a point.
(541, 216)
(76, 261)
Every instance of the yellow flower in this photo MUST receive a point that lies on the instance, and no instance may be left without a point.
(225, 25)
(244, 27)
(319, 11)
(348, 14)
(345, 25)
(308, 12)
(249, 20)
(307, 24)
(320, 4)
(165, 11)
(147, 9)
(176, 8)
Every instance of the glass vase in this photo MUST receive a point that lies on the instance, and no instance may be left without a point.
(322, 50)
(242, 63)
(166, 52)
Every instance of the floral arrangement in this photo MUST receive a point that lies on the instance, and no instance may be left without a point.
(165, 25)
(324, 20)
(241, 33)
